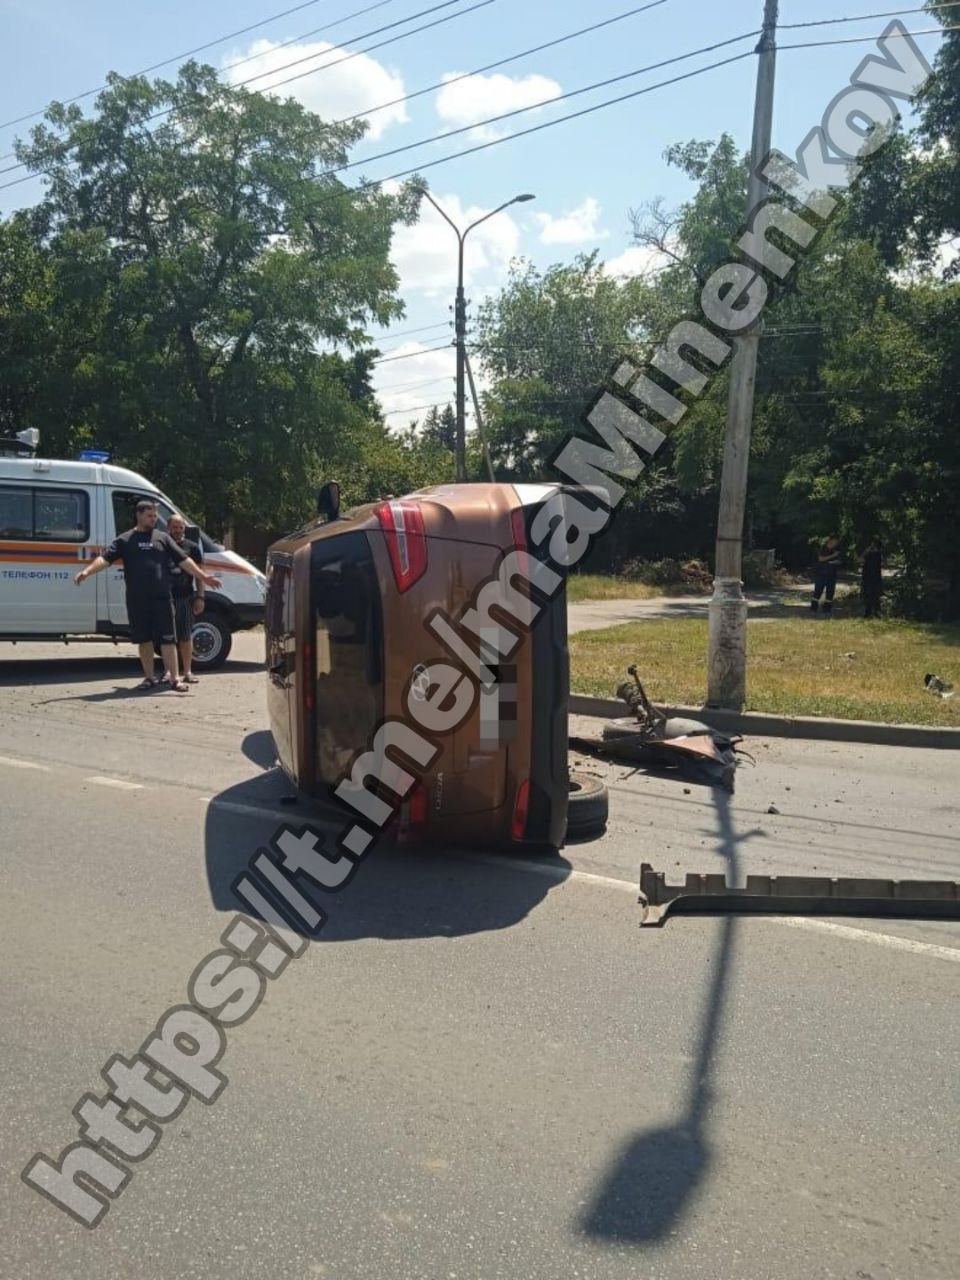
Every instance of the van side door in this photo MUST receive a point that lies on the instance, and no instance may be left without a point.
(46, 536)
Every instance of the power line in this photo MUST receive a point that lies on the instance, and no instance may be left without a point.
(409, 355)
(88, 93)
(230, 66)
(867, 17)
(819, 44)
(535, 106)
(414, 386)
(502, 62)
(547, 124)
(417, 408)
(534, 129)
(440, 324)
(440, 84)
(336, 62)
(445, 4)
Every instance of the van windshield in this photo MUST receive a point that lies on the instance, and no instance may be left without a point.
(349, 651)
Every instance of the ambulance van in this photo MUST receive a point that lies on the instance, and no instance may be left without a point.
(57, 516)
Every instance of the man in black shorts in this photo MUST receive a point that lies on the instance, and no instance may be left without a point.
(148, 556)
(188, 600)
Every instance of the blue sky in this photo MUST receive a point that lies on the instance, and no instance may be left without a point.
(586, 174)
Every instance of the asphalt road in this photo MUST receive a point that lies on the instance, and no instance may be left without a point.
(480, 1069)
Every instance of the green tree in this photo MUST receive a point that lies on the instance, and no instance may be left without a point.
(219, 252)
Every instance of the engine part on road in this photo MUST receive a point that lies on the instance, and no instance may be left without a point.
(650, 737)
(650, 719)
(797, 895)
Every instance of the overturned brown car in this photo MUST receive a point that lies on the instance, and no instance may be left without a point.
(360, 610)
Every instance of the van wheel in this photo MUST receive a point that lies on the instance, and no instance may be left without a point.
(212, 641)
(587, 807)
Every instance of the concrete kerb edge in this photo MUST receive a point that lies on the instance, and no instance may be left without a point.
(757, 724)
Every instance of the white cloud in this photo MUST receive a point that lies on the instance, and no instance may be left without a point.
(425, 254)
(638, 260)
(473, 98)
(579, 226)
(334, 92)
(424, 378)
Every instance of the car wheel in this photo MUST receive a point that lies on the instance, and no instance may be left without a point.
(587, 807)
(212, 641)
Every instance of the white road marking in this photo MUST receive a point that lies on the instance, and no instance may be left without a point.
(119, 783)
(868, 935)
(22, 764)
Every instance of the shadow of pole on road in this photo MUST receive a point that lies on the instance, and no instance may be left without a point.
(657, 1174)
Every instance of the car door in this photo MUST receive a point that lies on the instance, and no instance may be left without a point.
(45, 538)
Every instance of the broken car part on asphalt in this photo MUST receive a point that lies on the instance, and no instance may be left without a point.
(649, 737)
(795, 895)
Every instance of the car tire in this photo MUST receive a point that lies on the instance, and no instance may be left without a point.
(587, 807)
(212, 640)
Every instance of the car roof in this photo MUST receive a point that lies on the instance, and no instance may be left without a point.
(63, 471)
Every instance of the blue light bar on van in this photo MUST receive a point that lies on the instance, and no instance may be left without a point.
(93, 455)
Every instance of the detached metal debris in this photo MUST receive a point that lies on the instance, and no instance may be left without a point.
(648, 736)
(798, 895)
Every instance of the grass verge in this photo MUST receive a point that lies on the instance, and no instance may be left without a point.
(797, 666)
(601, 586)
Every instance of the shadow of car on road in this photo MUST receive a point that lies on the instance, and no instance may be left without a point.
(399, 892)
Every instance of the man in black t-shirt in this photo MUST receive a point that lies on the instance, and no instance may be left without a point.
(188, 601)
(148, 557)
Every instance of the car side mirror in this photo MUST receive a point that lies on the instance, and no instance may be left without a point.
(328, 500)
(192, 533)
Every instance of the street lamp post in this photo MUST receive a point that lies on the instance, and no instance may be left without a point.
(460, 324)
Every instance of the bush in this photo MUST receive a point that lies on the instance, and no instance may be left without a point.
(759, 574)
(694, 575)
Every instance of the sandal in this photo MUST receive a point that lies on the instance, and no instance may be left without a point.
(179, 686)
(148, 682)
(191, 679)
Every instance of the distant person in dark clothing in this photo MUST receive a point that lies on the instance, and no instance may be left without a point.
(148, 556)
(825, 575)
(871, 578)
(188, 601)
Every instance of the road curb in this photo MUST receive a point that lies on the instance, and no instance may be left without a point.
(757, 724)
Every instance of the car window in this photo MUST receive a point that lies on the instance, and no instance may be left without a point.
(125, 509)
(349, 651)
(16, 513)
(125, 515)
(35, 513)
(60, 514)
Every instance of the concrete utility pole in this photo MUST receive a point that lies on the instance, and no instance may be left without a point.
(727, 663)
(460, 325)
(479, 417)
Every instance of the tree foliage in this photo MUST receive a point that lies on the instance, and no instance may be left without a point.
(172, 296)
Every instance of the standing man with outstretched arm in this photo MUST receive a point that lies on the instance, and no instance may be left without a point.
(148, 556)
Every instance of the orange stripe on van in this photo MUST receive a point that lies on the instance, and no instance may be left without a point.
(41, 544)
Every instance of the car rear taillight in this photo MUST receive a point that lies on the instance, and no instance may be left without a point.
(521, 809)
(413, 815)
(519, 525)
(402, 525)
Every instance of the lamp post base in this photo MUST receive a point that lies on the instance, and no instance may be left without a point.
(727, 662)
